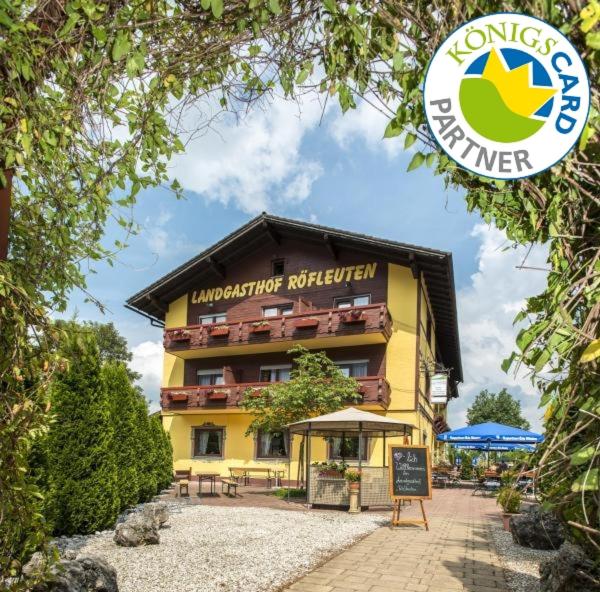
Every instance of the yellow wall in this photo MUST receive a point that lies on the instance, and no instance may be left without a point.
(239, 449)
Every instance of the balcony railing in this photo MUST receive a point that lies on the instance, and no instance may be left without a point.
(374, 390)
(334, 322)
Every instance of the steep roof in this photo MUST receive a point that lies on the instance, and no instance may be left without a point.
(435, 265)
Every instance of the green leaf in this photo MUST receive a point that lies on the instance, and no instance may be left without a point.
(430, 159)
(409, 140)
(393, 128)
(583, 455)
(591, 352)
(303, 74)
(330, 6)
(416, 162)
(587, 481)
(205, 4)
(217, 8)
(593, 40)
(274, 6)
(120, 47)
(398, 61)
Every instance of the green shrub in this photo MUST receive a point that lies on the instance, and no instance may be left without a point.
(294, 493)
(82, 493)
(466, 470)
(144, 447)
(163, 452)
(509, 499)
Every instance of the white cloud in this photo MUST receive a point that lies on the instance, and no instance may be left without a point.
(486, 310)
(255, 161)
(148, 361)
(165, 244)
(367, 124)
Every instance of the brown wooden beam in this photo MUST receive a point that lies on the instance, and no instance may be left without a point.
(330, 246)
(216, 267)
(274, 236)
(159, 304)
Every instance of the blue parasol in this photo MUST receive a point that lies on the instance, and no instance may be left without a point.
(490, 433)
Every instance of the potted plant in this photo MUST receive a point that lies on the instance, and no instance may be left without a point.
(353, 477)
(219, 330)
(306, 323)
(509, 499)
(179, 335)
(260, 327)
(349, 317)
(331, 469)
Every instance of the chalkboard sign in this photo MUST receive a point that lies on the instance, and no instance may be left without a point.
(410, 472)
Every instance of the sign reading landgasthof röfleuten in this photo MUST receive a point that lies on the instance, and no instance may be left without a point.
(297, 281)
(506, 96)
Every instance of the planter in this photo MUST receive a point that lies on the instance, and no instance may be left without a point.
(353, 318)
(217, 395)
(353, 485)
(219, 332)
(261, 329)
(506, 520)
(306, 323)
(331, 475)
(353, 490)
(178, 396)
(178, 338)
(257, 393)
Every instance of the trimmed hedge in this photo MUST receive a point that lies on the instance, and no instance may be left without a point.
(103, 452)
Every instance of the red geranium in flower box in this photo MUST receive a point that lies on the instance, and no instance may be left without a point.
(219, 331)
(179, 335)
(306, 323)
(178, 396)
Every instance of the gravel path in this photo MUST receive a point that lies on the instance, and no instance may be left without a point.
(230, 549)
(521, 564)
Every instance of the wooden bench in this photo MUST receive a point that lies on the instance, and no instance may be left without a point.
(182, 488)
(230, 484)
(244, 473)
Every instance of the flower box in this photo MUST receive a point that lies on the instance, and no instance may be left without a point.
(352, 317)
(217, 395)
(178, 396)
(306, 323)
(256, 393)
(219, 331)
(331, 474)
(180, 335)
(261, 328)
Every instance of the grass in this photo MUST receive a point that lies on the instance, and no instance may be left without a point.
(294, 493)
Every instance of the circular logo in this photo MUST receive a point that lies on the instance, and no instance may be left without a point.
(506, 96)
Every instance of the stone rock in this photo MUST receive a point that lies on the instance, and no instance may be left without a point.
(85, 574)
(137, 530)
(570, 570)
(158, 512)
(537, 529)
(35, 566)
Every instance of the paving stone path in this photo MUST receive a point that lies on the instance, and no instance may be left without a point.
(456, 554)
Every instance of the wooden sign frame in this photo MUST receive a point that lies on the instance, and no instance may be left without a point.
(399, 499)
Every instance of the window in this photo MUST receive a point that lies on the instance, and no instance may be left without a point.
(350, 301)
(272, 445)
(277, 267)
(279, 373)
(347, 448)
(219, 317)
(208, 442)
(277, 311)
(355, 368)
(207, 377)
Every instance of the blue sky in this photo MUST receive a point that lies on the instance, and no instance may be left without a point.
(336, 171)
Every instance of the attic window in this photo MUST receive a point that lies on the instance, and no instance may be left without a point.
(277, 267)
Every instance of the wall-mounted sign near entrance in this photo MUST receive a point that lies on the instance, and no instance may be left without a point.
(439, 388)
(410, 478)
(297, 281)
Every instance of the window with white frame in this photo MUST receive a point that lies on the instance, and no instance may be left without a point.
(278, 373)
(208, 442)
(208, 377)
(212, 319)
(350, 301)
(272, 444)
(278, 311)
(354, 368)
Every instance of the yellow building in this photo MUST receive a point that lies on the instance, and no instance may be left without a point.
(383, 311)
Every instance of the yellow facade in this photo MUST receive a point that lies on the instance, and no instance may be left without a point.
(406, 353)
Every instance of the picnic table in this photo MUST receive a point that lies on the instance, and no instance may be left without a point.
(211, 478)
(244, 473)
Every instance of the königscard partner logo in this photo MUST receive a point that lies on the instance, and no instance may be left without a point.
(506, 96)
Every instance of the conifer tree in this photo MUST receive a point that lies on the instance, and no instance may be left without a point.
(82, 472)
(145, 456)
(163, 453)
(123, 398)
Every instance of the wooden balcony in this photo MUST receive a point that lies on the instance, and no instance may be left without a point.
(333, 327)
(374, 390)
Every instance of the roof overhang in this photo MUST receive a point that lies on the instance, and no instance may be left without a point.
(210, 265)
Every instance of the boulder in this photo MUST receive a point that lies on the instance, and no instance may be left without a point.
(569, 570)
(137, 530)
(84, 574)
(158, 512)
(537, 529)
